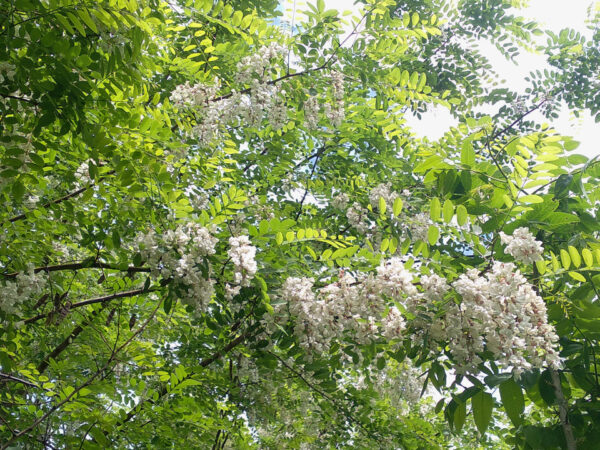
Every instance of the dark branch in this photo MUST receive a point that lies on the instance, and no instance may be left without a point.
(6, 377)
(68, 340)
(104, 299)
(61, 199)
(83, 265)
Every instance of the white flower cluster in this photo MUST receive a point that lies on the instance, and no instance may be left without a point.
(311, 112)
(357, 216)
(340, 201)
(256, 65)
(501, 313)
(383, 190)
(181, 254)
(419, 226)
(242, 254)
(199, 95)
(349, 305)
(335, 112)
(82, 174)
(22, 288)
(250, 109)
(523, 246)
(258, 98)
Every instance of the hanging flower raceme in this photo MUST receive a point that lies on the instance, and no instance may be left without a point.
(350, 305)
(256, 99)
(24, 286)
(181, 254)
(523, 246)
(500, 313)
(242, 254)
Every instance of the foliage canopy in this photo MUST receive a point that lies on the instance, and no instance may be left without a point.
(219, 231)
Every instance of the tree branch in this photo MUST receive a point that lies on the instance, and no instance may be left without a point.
(83, 265)
(163, 390)
(61, 199)
(312, 172)
(8, 377)
(68, 340)
(103, 299)
(563, 409)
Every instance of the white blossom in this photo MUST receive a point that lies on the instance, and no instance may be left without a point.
(419, 226)
(499, 312)
(24, 286)
(311, 112)
(523, 246)
(503, 314)
(198, 95)
(242, 254)
(181, 254)
(383, 190)
(82, 174)
(357, 216)
(340, 201)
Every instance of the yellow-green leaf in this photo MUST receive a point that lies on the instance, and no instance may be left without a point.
(588, 258)
(541, 266)
(433, 234)
(382, 206)
(397, 208)
(435, 208)
(531, 199)
(448, 211)
(574, 254)
(565, 258)
(461, 215)
(577, 276)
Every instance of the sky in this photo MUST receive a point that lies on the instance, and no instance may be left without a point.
(551, 14)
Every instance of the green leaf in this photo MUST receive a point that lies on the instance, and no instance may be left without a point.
(513, 400)
(588, 258)
(435, 209)
(483, 404)
(433, 234)
(429, 163)
(531, 199)
(382, 206)
(565, 258)
(467, 154)
(397, 208)
(460, 414)
(76, 23)
(577, 276)
(83, 14)
(461, 215)
(415, 19)
(575, 257)
(546, 388)
(406, 20)
(448, 211)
